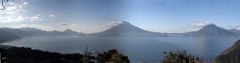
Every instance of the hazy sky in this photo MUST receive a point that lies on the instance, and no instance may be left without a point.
(91, 16)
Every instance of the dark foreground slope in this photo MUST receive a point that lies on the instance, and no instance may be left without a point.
(231, 55)
(27, 55)
(11, 54)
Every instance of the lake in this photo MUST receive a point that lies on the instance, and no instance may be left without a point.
(148, 49)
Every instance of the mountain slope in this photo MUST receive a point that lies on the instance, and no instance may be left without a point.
(28, 55)
(235, 31)
(65, 32)
(211, 30)
(5, 36)
(70, 32)
(126, 29)
(26, 32)
(231, 55)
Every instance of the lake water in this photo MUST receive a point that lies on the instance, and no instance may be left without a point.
(138, 49)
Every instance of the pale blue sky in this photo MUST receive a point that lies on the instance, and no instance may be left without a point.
(90, 16)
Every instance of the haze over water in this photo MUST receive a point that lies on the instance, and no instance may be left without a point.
(138, 49)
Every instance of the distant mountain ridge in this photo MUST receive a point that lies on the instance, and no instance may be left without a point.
(6, 36)
(25, 32)
(125, 29)
(235, 31)
(211, 30)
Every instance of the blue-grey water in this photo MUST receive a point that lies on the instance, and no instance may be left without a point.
(138, 49)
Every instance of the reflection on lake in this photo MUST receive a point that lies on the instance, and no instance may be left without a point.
(147, 49)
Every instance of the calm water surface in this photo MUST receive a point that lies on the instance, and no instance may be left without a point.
(138, 49)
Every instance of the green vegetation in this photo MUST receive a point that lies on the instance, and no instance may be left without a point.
(180, 57)
(112, 56)
(28, 55)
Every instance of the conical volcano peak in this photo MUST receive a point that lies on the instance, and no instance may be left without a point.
(69, 31)
(125, 25)
(211, 25)
(211, 30)
(124, 28)
(124, 22)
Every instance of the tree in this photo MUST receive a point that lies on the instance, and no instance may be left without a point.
(3, 2)
(87, 55)
(0, 56)
(180, 57)
(3, 59)
(112, 56)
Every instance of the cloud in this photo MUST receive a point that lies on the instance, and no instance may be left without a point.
(84, 28)
(69, 25)
(199, 24)
(12, 8)
(237, 27)
(25, 3)
(38, 26)
(10, 19)
(63, 24)
(51, 15)
(15, 12)
(233, 27)
(112, 24)
(17, 18)
(34, 17)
